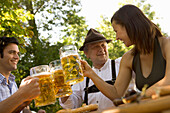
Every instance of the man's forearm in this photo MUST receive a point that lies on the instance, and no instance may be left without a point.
(11, 103)
(23, 106)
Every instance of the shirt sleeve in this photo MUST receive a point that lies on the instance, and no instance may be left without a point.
(67, 104)
(75, 100)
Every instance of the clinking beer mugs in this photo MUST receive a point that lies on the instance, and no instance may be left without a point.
(71, 65)
(47, 95)
(61, 88)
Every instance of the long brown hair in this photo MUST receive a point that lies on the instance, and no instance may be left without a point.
(140, 29)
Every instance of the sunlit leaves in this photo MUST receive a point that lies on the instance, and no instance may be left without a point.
(13, 20)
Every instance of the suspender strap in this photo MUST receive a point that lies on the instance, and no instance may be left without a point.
(93, 88)
(113, 70)
(86, 91)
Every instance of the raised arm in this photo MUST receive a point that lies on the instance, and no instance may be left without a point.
(111, 91)
(29, 89)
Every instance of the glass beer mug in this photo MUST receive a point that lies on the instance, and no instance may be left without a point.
(71, 65)
(47, 95)
(61, 88)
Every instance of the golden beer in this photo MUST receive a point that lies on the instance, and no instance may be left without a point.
(47, 95)
(72, 69)
(58, 78)
(65, 90)
(61, 89)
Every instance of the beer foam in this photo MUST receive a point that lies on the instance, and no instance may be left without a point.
(41, 74)
(68, 53)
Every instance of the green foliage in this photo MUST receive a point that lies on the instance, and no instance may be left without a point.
(75, 33)
(52, 108)
(20, 18)
(39, 51)
(13, 21)
(17, 19)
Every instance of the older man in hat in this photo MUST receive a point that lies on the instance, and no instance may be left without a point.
(95, 48)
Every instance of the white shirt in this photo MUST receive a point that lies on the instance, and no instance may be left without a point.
(76, 99)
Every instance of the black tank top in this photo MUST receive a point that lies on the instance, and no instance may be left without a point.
(158, 68)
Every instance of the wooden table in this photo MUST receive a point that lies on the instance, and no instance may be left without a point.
(160, 105)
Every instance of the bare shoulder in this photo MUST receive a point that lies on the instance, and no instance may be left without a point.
(127, 59)
(165, 45)
(165, 40)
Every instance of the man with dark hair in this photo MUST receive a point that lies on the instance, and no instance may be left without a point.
(13, 99)
(95, 48)
(4, 41)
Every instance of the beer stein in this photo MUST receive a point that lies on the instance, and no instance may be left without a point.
(60, 87)
(46, 85)
(71, 65)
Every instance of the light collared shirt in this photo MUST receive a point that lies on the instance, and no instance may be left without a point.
(6, 90)
(75, 100)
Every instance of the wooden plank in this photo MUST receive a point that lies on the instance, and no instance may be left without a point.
(145, 106)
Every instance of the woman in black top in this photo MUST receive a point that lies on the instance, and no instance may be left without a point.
(149, 59)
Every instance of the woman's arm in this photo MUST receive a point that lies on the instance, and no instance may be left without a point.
(125, 74)
(107, 89)
(118, 89)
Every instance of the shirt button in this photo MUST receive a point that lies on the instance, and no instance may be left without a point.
(99, 70)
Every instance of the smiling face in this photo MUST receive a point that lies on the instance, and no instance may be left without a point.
(98, 53)
(10, 59)
(121, 34)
